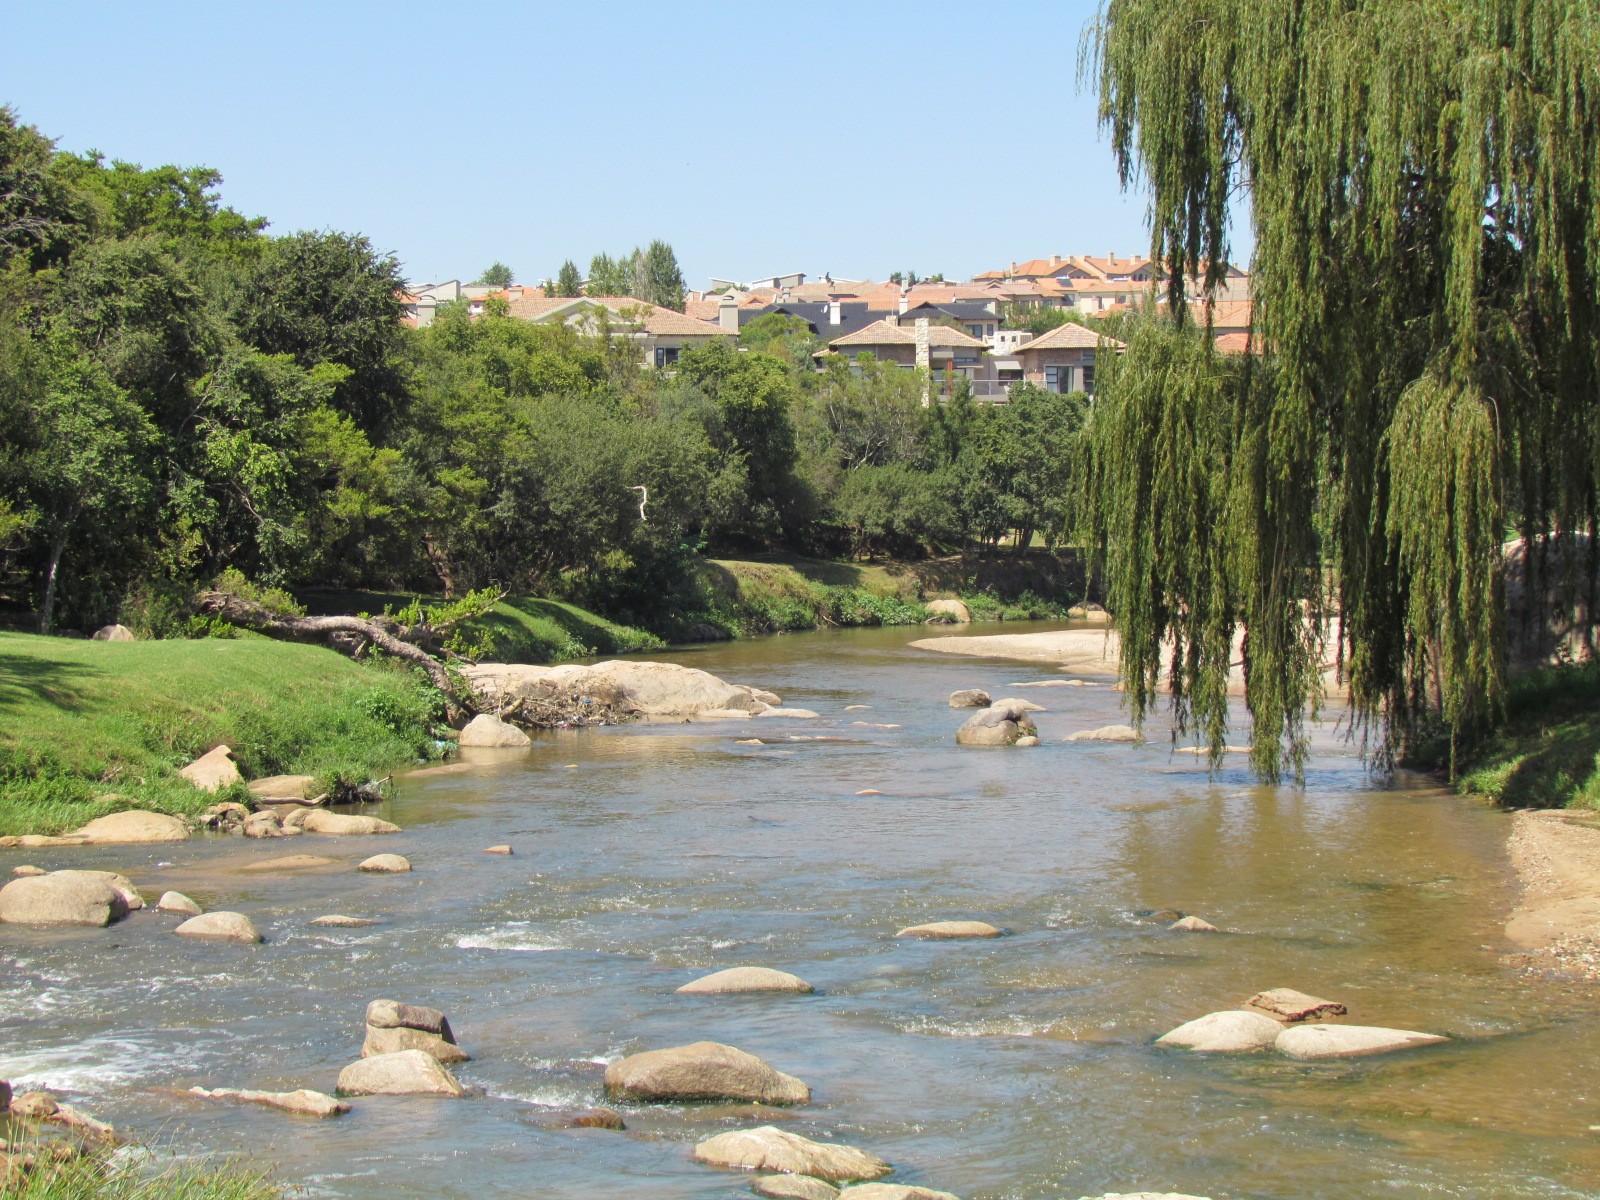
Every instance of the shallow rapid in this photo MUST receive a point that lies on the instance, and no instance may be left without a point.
(1023, 1066)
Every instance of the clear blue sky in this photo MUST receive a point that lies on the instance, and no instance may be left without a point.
(855, 138)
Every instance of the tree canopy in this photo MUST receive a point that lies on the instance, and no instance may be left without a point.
(1424, 180)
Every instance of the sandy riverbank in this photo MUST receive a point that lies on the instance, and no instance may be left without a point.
(1556, 854)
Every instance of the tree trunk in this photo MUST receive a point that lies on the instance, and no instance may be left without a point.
(58, 547)
(348, 635)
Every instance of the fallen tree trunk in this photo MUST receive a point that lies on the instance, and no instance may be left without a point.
(348, 635)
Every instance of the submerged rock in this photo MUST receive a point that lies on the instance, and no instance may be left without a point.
(302, 1103)
(485, 730)
(597, 1118)
(220, 926)
(969, 698)
(339, 920)
(768, 1148)
(1311, 1042)
(62, 898)
(133, 827)
(26, 870)
(893, 1191)
(1233, 1032)
(213, 770)
(802, 714)
(1106, 733)
(792, 1187)
(385, 864)
(1290, 1005)
(293, 862)
(497, 849)
(1193, 925)
(1144, 1196)
(951, 929)
(177, 902)
(746, 979)
(702, 1071)
(404, 1073)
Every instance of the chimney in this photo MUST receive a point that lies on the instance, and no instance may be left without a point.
(835, 312)
(728, 312)
(1013, 270)
(905, 299)
(783, 296)
(1055, 261)
(892, 320)
(1111, 257)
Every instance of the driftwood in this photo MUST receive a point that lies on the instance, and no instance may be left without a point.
(351, 636)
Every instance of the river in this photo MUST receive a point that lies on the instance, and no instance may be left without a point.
(1019, 1067)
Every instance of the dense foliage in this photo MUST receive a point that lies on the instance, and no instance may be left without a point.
(182, 393)
(1423, 180)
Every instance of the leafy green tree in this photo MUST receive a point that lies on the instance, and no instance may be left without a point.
(658, 279)
(1422, 181)
(1016, 466)
(568, 281)
(496, 274)
(610, 277)
(177, 206)
(331, 298)
(41, 214)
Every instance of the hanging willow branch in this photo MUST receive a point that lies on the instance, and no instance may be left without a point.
(1424, 184)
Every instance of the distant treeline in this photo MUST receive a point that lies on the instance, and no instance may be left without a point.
(182, 392)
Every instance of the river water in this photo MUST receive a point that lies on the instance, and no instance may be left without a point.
(1012, 1068)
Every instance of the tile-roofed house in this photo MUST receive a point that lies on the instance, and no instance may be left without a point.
(661, 332)
(1062, 360)
(944, 352)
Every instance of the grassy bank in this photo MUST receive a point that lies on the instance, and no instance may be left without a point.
(1544, 755)
(779, 593)
(81, 719)
(90, 1177)
(521, 629)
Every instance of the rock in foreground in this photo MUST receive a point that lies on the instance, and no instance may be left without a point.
(134, 827)
(951, 929)
(404, 1073)
(490, 732)
(1312, 1042)
(62, 898)
(302, 1103)
(768, 1148)
(220, 926)
(702, 1071)
(746, 979)
(1233, 1032)
(792, 1187)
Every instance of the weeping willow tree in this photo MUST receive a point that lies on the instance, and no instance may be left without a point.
(1424, 180)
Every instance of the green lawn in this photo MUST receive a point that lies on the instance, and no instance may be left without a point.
(1544, 755)
(81, 719)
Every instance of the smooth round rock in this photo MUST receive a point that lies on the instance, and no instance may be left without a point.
(386, 864)
(1232, 1032)
(26, 870)
(951, 929)
(702, 1071)
(405, 1073)
(134, 827)
(1313, 1042)
(746, 979)
(177, 902)
(485, 730)
(768, 1148)
(220, 926)
(1027, 742)
(62, 898)
(969, 698)
(342, 824)
(792, 1187)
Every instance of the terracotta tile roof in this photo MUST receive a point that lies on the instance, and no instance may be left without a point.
(655, 321)
(881, 333)
(1066, 337)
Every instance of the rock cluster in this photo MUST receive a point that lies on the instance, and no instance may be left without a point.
(1272, 1022)
(392, 1026)
(1001, 724)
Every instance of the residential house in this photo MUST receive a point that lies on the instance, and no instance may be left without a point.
(1061, 360)
(419, 304)
(661, 333)
(944, 352)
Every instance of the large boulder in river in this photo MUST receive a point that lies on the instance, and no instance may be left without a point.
(746, 979)
(391, 1041)
(1000, 724)
(769, 1148)
(485, 730)
(342, 824)
(702, 1071)
(220, 927)
(1232, 1032)
(405, 1073)
(133, 827)
(213, 770)
(121, 884)
(969, 698)
(648, 689)
(1313, 1042)
(62, 898)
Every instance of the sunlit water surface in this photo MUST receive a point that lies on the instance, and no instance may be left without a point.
(1018, 1067)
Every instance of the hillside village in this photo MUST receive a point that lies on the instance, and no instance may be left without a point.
(974, 331)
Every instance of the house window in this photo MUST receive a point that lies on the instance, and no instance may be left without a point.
(1088, 380)
(1058, 379)
(975, 330)
(666, 356)
(988, 330)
